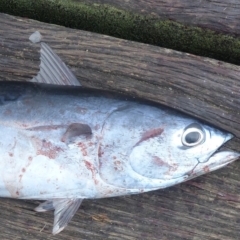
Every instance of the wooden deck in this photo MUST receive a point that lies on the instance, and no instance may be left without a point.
(204, 208)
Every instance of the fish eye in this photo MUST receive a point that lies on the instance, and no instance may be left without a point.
(193, 135)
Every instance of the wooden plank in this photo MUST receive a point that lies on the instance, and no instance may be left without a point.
(220, 15)
(205, 208)
(203, 27)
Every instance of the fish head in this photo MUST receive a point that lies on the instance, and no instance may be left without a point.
(179, 151)
(155, 148)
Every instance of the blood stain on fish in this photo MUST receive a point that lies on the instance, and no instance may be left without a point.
(90, 167)
(150, 134)
(90, 144)
(118, 165)
(157, 160)
(49, 150)
(83, 148)
(206, 169)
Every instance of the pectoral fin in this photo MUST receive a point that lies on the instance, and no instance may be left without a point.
(53, 70)
(76, 129)
(63, 213)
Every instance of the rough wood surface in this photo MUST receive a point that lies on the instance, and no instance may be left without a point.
(220, 15)
(205, 208)
(206, 28)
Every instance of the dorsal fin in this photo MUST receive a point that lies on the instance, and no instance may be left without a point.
(53, 70)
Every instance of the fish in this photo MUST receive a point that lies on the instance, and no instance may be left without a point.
(63, 143)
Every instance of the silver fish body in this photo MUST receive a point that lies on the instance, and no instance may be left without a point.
(65, 144)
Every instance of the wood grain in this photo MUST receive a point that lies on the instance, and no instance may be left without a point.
(220, 15)
(206, 28)
(205, 208)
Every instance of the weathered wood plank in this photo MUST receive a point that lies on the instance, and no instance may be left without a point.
(205, 88)
(206, 28)
(220, 15)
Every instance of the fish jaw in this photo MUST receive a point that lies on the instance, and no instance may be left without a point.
(216, 161)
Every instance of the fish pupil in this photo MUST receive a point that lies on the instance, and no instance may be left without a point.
(192, 137)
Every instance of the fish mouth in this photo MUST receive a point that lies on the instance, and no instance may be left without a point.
(217, 143)
(222, 158)
(216, 161)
